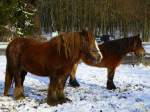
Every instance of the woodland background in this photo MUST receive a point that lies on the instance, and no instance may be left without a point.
(33, 17)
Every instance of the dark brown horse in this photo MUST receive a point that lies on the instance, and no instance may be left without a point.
(113, 52)
(54, 59)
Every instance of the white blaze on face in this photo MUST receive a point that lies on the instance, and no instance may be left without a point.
(99, 52)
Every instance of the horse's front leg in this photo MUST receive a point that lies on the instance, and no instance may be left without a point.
(73, 81)
(60, 92)
(56, 90)
(51, 96)
(110, 77)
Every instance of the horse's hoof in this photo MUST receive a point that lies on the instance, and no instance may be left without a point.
(111, 88)
(6, 94)
(56, 102)
(18, 93)
(68, 100)
(64, 100)
(20, 97)
(74, 83)
(110, 85)
(52, 103)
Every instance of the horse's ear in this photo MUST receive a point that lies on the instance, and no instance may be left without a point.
(138, 35)
(84, 33)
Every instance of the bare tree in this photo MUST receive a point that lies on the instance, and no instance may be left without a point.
(100, 16)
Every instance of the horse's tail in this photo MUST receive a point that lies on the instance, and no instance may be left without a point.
(13, 53)
(8, 79)
(12, 57)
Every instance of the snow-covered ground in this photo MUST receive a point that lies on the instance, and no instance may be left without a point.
(147, 48)
(132, 94)
(3, 45)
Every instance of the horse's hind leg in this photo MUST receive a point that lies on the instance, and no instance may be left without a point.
(8, 81)
(18, 92)
(110, 83)
(23, 74)
(73, 81)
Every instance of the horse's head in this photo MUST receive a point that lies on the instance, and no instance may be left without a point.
(89, 50)
(138, 48)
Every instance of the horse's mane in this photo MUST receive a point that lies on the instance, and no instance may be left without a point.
(69, 44)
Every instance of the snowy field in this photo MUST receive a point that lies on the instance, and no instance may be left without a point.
(132, 94)
(3, 45)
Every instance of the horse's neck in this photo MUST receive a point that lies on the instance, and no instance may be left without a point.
(68, 46)
(128, 46)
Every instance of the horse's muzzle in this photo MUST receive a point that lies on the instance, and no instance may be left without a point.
(97, 57)
(141, 52)
(92, 57)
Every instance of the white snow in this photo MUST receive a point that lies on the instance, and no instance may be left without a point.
(147, 48)
(132, 94)
(3, 45)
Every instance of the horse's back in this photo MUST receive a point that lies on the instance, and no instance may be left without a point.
(108, 49)
(18, 46)
(14, 46)
(23, 42)
(113, 47)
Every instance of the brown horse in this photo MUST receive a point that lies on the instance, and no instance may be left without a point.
(54, 59)
(113, 52)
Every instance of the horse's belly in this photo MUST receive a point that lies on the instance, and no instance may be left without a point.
(40, 71)
(109, 63)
